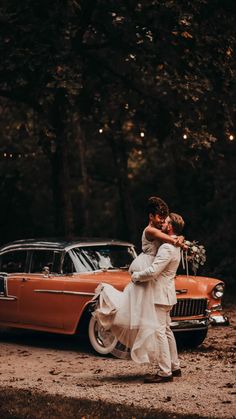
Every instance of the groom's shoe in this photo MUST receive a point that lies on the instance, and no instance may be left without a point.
(177, 373)
(158, 379)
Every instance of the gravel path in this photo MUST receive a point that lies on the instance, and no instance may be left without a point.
(63, 365)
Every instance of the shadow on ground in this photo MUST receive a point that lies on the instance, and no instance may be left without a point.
(25, 404)
(46, 340)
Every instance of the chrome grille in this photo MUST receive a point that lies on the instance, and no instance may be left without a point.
(189, 307)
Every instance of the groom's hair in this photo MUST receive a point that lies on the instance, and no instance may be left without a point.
(177, 222)
(157, 206)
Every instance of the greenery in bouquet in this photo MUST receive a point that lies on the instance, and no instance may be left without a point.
(195, 255)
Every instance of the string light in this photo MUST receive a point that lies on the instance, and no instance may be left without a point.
(142, 134)
(12, 156)
(231, 137)
(185, 136)
(100, 131)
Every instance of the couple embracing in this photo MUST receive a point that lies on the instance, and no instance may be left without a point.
(139, 316)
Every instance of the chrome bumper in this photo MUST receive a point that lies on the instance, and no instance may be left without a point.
(219, 320)
(189, 325)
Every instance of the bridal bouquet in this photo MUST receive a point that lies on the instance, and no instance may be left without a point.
(195, 255)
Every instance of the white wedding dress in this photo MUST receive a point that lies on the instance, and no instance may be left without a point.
(130, 314)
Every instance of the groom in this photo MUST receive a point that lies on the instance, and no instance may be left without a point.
(162, 272)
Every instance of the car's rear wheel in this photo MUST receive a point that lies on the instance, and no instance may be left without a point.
(101, 340)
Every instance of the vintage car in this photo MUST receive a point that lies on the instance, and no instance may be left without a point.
(48, 285)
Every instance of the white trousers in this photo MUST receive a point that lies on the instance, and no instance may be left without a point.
(168, 356)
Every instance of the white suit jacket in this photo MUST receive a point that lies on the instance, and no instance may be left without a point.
(162, 274)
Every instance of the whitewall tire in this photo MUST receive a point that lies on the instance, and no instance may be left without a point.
(102, 341)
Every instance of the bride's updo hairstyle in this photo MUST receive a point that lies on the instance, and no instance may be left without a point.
(156, 205)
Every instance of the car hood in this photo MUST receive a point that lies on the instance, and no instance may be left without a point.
(194, 286)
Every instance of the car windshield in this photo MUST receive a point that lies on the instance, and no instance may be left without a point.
(101, 257)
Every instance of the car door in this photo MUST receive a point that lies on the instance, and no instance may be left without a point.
(41, 295)
(13, 264)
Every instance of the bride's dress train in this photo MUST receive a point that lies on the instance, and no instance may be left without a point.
(130, 314)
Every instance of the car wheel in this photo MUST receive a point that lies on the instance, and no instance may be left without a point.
(101, 340)
(191, 339)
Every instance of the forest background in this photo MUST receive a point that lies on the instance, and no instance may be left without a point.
(104, 103)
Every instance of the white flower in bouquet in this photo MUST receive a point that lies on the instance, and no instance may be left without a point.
(195, 255)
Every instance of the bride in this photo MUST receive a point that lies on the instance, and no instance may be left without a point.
(130, 314)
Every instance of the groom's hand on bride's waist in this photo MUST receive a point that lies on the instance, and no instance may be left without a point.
(135, 277)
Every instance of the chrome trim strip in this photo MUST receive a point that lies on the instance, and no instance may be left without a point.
(30, 247)
(183, 325)
(219, 320)
(182, 291)
(50, 291)
(217, 307)
(57, 246)
(85, 272)
(90, 294)
(8, 298)
(189, 329)
(99, 243)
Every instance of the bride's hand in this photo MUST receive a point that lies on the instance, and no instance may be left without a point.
(179, 242)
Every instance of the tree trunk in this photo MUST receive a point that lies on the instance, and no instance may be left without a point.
(63, 212)
(127, 211)
(79, 139)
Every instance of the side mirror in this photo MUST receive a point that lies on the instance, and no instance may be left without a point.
(46, 271)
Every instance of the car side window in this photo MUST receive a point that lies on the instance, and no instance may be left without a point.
(44, 258)
(68, 266)
(14, 261)
(81, 261)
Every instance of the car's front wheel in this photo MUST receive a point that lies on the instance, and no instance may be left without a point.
(191, 339)
(101, 340)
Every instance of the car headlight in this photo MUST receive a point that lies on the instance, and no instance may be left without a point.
(218, 291)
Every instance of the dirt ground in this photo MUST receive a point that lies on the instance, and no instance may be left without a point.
(49, 364)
